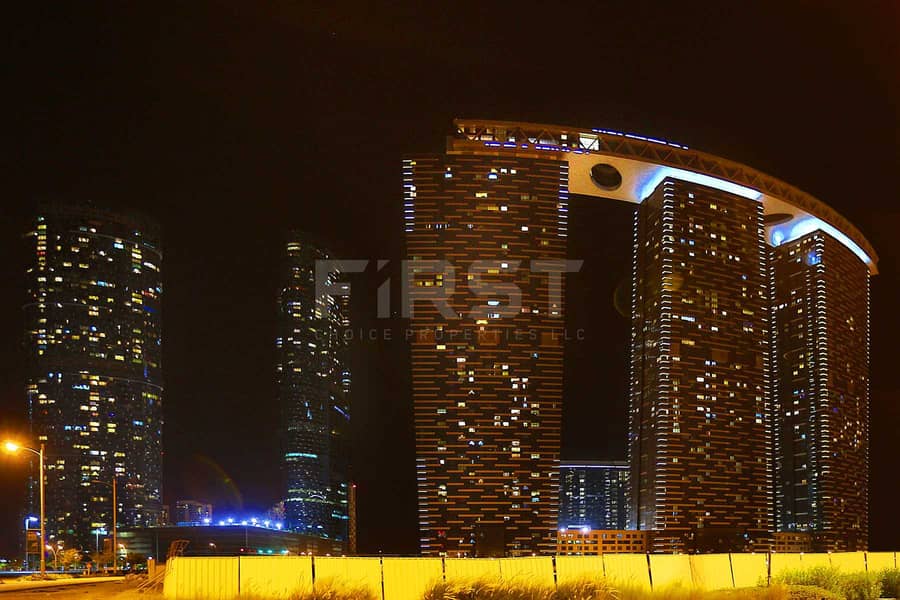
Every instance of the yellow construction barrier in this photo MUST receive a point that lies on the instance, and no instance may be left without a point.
(786, 561)
(201, 578)
(574, 568)
(749, 570)
(808, 560)
(469, 569)
(876, 561)
(271, 577)
(531, 569)
(848, 562)
(349, 572)
(668, 570)
(409, 578)
(708, 571)
(627, 570)
(275, 576)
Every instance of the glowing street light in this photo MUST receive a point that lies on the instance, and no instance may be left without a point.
(13, 447)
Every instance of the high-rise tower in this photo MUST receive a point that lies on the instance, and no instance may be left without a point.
(821, 400)
(313, 380)
(710, 388)
(94, 379)
(487, 368)
(699, 439)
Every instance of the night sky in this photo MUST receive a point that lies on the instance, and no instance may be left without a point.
(229, 122)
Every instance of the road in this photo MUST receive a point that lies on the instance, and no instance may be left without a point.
(102, 590)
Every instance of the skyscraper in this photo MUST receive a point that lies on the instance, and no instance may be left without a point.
(94, 374)
(593, 494)
(821, 399)
(486, 364)
(699, 413)
(313, 380)
(708, 378)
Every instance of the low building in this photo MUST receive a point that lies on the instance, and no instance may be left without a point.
(593, 494)
(192, 512)
(793, 541)
(601, 541)
(224, 540)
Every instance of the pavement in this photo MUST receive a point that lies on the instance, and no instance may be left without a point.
(87, 588)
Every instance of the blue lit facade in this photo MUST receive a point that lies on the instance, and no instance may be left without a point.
(593, 494)
(313, 381)
(94, 384)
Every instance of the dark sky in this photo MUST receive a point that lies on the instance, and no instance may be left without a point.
(231, 121)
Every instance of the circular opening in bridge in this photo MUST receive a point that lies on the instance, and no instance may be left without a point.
(606, 176)
(777, 218)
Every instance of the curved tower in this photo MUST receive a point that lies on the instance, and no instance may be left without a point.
(94, 382)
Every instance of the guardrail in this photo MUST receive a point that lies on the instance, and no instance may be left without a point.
(260, 577)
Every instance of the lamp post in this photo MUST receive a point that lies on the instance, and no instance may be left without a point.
(55, 557)
(13, 447)
(114, 513)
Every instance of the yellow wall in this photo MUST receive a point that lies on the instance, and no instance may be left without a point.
(574, 568)
(349, 572)
(627, 569)
(786, 561)
(533, 569)
(880, 560)
(409, 578)
(275, 576)
(709, 571)
(201, 578)
(669, 570)
(749, 569)
(471, 568)
(849, 562)
(809, 560)
(264, 577)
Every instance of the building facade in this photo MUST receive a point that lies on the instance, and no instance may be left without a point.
(820, 353)
(593, 494)
(699, 412)
(588, 542)
(709, 429)
(486, 350)
(192, 512)
(313, 380)
(94, 374)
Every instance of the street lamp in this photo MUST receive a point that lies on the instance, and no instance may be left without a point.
(13, 447)
(55, 559)
(115, 511)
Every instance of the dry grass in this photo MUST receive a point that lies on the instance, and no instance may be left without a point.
(487, 589)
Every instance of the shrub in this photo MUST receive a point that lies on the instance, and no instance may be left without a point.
(586, 589)
(890, 583)
(827, 578)
(810, 592)
(860, 586)
(338, 591)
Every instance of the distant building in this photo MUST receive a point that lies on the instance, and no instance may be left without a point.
(820, 348)
(94, 386)
(584, 541)
(793, 541)
(192, 512)
(313, 379)
(227, 540)
(593, 494)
